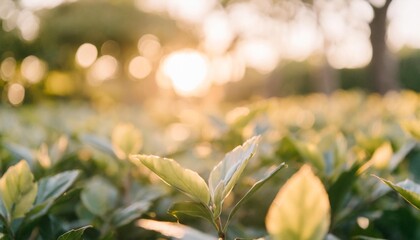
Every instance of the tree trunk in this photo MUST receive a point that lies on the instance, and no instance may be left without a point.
(383, 66)
(324, 77)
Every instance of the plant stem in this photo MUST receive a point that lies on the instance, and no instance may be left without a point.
(7, 229)
(220, 231)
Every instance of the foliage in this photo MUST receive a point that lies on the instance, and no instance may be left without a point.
(76, 178)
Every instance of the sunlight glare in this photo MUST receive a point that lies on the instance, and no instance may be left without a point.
(189, 10)
(404, 18)
(303, 38)
(259, 55)
(342, 54)
(86, 55)
(218, 34)
(40, 4)
(187, 70)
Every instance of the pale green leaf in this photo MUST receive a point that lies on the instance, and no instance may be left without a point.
(74, 234)
(311, 154)
(185, 180)
(225, 175)
(191, 209)
(126, 215)
(18, 190)
(52, 187)
(301, 209)
(412, 127)
(252, 190)
(99, 143)
(174, 230)
(408, 189)
(126, 139)
(20, 152)
(99, 196)
(380, 158)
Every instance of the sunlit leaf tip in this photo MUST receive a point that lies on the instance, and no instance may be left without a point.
(185, 180)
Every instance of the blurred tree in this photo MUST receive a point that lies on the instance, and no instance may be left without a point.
(66, 27)
(383, 67)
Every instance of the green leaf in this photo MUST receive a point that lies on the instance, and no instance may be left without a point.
(53, 187)
(311, 154)
(193, 209)
(301, 209)
(20, 152)
(224, 175)
(101, 144)
(338, 190)
(401, 154)
(126, 139)
(366, 238)
(74, 234)
(380, 158)
(18, 190)
(412, 127)
(185, 180)
(39, 210)
(251, 192)
(175, 230)
(126, 215)
(99, 196)
(408, 189)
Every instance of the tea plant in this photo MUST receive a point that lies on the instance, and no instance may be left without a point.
(208, 199)
(24, 202)
(79, 181)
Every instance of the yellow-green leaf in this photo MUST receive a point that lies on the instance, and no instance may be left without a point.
(224, 176)
(18, 190)
(407, 189)
(301, 209)
(380, 158)
(412, 127)
(126, 139)
(185, 180)
(99, 196)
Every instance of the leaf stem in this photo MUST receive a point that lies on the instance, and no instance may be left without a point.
(6, 227)
(220, 231)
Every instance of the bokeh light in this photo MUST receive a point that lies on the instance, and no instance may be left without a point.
(139, 67)
(86, 55)
(259, 55)
(8, 68)
(33, 69)
(404, 15)
(28, 24)
(217, 33)
(103, 69)
(16, 94)
(149, 46)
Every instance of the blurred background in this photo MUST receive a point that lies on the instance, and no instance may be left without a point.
(131, 51)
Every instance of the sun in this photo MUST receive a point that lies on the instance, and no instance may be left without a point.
(187, 71)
